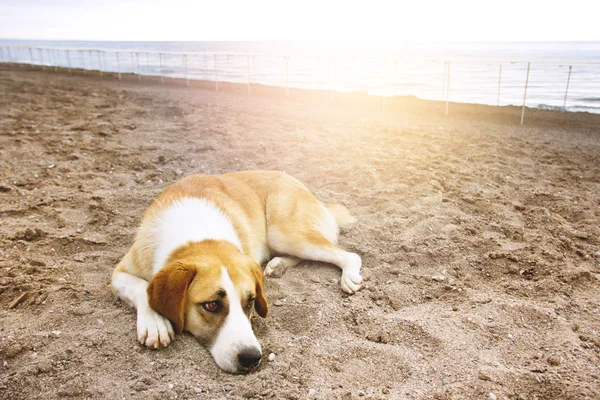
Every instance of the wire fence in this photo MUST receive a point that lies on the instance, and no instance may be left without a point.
(484, 81)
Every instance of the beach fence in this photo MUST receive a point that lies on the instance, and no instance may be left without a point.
(538, 83)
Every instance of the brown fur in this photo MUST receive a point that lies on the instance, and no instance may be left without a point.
(172, 294)
(168, 292)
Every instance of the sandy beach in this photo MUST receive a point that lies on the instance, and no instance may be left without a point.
(480, 241)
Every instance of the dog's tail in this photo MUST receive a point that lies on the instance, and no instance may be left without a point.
(341, 214)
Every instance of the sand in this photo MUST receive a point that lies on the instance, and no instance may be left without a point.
(480, 241)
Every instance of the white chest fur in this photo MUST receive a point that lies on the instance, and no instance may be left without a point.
(190, 220)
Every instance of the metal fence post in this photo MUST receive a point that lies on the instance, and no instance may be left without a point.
(499, 81)
(118, 65)
(81, 61)
(525, 94)
(187, 76)
(52, 58)
(216, 74)
(386, 62)
(567, 89)
(137, 60)
(448, 87)
(41, 58)
(444, 82)
(99, 63)
(69, 60)
(249, 90)
(147, 65)
(31, 55)
(161, 62)
(331, 78)
(10, 59)
(287, 76)
(104, 60)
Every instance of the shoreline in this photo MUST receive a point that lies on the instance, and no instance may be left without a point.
(507, 114)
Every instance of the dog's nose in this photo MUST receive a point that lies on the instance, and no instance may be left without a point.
(249, 357)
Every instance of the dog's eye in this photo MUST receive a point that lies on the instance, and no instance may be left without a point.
(250, 304)
(212, 306)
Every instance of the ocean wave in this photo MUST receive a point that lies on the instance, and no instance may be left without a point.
(572, 107)
(549, 107)
(590, 99)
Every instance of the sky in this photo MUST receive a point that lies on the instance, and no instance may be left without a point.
(373, 20)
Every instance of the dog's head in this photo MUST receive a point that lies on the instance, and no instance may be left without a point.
(209, 289)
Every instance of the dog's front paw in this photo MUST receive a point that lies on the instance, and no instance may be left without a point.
(351, 280)
(153, 329)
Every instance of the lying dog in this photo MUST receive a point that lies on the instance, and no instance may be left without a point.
(195, 263)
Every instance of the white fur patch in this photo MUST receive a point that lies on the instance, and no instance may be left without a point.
(236, 333)
(190, 220)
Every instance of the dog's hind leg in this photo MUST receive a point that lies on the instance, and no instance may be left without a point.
(299, 239)
(300, 226)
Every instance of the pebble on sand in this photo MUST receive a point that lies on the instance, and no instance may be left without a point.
(483, 376)
(492, 396)
(272, 357)
(553, 360)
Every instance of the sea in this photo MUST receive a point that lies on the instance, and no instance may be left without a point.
(550, 75)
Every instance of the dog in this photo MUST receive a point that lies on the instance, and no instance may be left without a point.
(195, 263)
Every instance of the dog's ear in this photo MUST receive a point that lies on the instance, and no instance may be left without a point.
(167, 292)
(260, 303)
